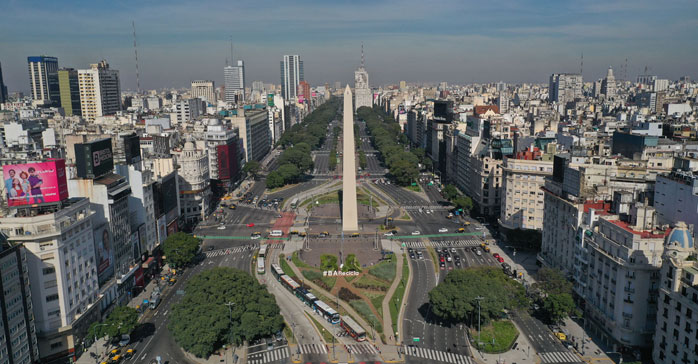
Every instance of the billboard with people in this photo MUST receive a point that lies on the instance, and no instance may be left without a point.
(103, 252)
(35, 183)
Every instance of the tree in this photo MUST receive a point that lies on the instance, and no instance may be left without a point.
(362, 159)
(552, 281)
(463, 202)
(223, 305)
(121, 321)
(180, 248)
(454, 299)
(404, 172)
(274, 180)
(557, 306)
(450, 192)
(289, 172)
(251, 168)
(328, 262)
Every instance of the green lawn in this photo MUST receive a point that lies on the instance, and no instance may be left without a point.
(350, 278)
(286, 268)
(365, 311)
(326, 335)
(405, 217)
(370, 282)
(384, 270)
(399, 293)
(502, 332)
(298, 262)
(376, 301)
(414, 188)
(314, 275)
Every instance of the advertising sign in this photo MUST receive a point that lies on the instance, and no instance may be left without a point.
(135, 242)
(35, 183)
(162, 229)
(132, 148)
(94, 159)
(270, 99)
(104, 251)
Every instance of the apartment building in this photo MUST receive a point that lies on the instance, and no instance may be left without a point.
(523, 196)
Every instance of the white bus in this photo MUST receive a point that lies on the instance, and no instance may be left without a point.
(294, 203)
(276, 233)
(262, 251)
(260, 265)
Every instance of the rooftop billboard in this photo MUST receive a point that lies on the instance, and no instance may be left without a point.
(35, 183)
(94, 159)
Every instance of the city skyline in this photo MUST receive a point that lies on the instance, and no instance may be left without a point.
(412, 41)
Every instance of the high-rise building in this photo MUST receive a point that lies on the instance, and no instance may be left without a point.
(291, 76)
(4, 96)
(608, 85)
(224, 154)
(564, 87)
(194, 183)
(100, 91)
(362, 90)
(69, 91)
(503, 102)
(660, 85)
(235, 82)
(253, 129)
(43, 80)
(16, 314)
(304, 91)
(204, 90)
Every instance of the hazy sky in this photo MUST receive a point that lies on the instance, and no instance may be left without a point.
(456, 41)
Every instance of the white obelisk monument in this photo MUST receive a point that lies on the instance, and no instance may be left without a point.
(350, 219)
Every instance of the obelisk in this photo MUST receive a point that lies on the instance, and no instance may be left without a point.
(350, 219)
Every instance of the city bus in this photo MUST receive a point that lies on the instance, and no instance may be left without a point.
(277, 271)
(262, 251)
(327, 312)
(276, 233)
(353, 329)
(305, 296)
(294, 203)
(289, 283)
(260, 265)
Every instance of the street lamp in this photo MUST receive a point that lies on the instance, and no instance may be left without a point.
(230, 305)
(479, 334)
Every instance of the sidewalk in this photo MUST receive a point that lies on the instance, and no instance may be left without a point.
(387, 319)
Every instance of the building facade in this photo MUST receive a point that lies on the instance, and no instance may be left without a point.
(69, 91)
(235, 82)
(194, 183)
(16, 314)
(292, 74)
(4, 96)
(522, 196)
(43, 80)
(100, 91)
(204, 90)
(565, 87)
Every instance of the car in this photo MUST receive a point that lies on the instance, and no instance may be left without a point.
(473, 249)
(441, 258)
(461, 230)
(389, 233)
(293, 232)
(211, 247)
(478, 252)
(442, 265)
(457, 263)
(496, 255)
(256, 235)
(416, 232)
(500, 259)
(302, 234)
(355, 235)
(453, 250)
(125, 340)
(250, 224)
(412, 256)
(410, 250)
(443, 230)
(222, 227)
(324, 234)
(448, 258)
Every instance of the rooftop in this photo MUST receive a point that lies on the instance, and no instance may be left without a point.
(645, 234)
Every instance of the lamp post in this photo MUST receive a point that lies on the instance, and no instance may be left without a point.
(479, 334)
(230, 305)
(96, 326)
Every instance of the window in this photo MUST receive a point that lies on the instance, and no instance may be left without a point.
(49, 270)
(51, 297)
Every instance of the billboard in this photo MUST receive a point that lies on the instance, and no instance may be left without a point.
(35, 183)
(227, 161)
(104, 252)
(94, 159)
(162, 229)
(132, 148)
(270, 99)
(442, 111)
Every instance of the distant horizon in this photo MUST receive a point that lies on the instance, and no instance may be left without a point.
(453, 41)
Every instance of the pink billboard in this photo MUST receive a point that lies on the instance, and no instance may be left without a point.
(35, 183)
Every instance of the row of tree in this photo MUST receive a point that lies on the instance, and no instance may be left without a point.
(451, 193)
(223, 305)
(299, 141)
(388, 139)
(554, 292)
(332, 164)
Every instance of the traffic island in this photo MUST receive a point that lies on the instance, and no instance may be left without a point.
(495, 338)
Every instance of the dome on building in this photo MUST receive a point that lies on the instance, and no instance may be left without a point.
(680, 237)
(214, 122)
(189, 146)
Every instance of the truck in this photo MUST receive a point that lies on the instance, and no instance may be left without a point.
(154, 300)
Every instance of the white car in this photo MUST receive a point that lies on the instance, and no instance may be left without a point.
(416, 232)
(222, 227)
(443, 230)
(389, 233)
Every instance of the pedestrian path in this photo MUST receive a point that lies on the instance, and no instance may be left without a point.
(437, 355)
(275, 354)
(312, 349)
(362, 348)
(559, 357)
(237, 249)
(443, 244)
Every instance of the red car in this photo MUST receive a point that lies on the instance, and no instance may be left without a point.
(251, 224)
(496, 255)
(500, 259)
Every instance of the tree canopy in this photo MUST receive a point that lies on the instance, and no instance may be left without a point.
(223, 305)
(552, 281)
(387, 138)
(251, 168)
(121, 321)
(180, 249)
(557, 306)
(454, 299)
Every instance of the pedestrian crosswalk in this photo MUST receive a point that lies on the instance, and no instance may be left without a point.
(228, 251)
(443, 244)
(275, 354)
(311, 349)
(559, 357)
(362, 348)
(437, 355)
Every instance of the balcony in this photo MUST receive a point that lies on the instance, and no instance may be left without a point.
(629, 289)
(627, 300)
(627, 315)
(630, 275)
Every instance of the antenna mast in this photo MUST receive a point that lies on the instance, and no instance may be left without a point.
(135, 50)
(362, 55)
(232, 60)
(581, 64)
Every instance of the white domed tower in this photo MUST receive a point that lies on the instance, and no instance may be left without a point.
(677, 299)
